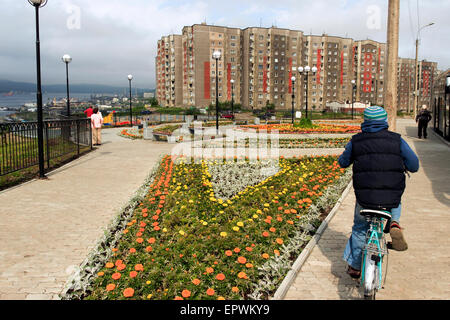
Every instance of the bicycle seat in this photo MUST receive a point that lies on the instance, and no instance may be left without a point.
(375, 213)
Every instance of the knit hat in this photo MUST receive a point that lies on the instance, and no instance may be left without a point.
(375, 113)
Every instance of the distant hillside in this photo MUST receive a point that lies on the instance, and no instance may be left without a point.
(7, 86)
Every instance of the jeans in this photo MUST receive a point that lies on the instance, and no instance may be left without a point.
(422, 129)
(353, 249)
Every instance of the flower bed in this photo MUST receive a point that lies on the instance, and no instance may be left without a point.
(317, 128)
(185, 242)
(166, 130)
(132, 133)
(284, 143)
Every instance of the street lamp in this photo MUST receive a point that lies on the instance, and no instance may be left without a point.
(416, 78)
(216, 55)
(293, 97)
(130, 77)
(306, 71)
(232, 98)
(67, 59)
(353, 94)
(39, 4)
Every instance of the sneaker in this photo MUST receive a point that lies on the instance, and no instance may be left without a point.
(398, 240)
(355, 274)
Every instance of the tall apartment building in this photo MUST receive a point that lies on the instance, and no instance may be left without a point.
(427, 72)
(262, 61)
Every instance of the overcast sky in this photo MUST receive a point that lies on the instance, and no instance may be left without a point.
(109, 39)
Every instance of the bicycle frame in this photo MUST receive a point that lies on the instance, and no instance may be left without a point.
(375, 245)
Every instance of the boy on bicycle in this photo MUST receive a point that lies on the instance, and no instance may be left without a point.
(380, 158)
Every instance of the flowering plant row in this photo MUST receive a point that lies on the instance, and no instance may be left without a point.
(184, 242)
(132, 133)
(288, 128)
(283, 143)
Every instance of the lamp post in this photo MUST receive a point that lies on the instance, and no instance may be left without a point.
(216, 55)
(306, 71)
(130, 77)
(67, 59)
(232, 98)
(416, 76)
(39, 4)
(353, 94)
(293, 97)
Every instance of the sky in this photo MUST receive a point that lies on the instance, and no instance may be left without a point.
(109, 39)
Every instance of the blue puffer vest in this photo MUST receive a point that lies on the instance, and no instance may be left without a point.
(378, 169)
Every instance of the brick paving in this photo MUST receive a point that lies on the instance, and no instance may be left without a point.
(421, 272)
(48, 226)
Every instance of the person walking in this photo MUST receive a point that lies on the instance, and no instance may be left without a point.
(96, 123)
(380, 158)
(423, 118)
(88, 112)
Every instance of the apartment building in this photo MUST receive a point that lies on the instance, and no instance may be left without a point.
(262, 61)
(427, 72)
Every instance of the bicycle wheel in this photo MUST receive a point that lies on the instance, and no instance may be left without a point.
(370, 278)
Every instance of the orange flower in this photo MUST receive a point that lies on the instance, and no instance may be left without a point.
(242, 260)
(210, 292)
(109, 265)
(119, 262)
(235, 289)
(279, 241)
(265, 256)
(139, 240)
(220, 298)
(101, 273)
(290, 222)
(133, 274)
(209, 270)
(132, 250)
(196, 281)
(229, 253)
(265, 234)
(116, 276)
(148, 249)
(249, 265)
(186, 293)
(237, 250)
(128, 292)
(249, 249)
(139, 267)
(156, 228)
(276, 252)
(110, 287)
(178, 298)
(121, 267)
(242, 275)
(272, 229)
(220, 277)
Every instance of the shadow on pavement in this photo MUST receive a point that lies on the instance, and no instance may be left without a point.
(347, 288)
(434, 157)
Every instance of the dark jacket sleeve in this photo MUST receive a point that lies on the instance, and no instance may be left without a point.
(345, 160)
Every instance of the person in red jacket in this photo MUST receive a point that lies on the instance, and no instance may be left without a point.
(89, 111)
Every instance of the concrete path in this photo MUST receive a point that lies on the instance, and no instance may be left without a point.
(421, 272)
(49, 226)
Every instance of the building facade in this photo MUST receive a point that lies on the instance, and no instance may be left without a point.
(262, 61)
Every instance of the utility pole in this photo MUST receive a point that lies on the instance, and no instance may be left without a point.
(392, 60)
(416, 80)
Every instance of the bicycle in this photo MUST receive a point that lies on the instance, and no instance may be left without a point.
(375, 249)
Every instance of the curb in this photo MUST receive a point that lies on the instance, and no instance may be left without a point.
(291, 275)
(441, 138)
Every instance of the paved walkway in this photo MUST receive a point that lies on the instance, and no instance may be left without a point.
(421, 272)
(49, 226)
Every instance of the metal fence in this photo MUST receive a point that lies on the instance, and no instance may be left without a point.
(19, 143)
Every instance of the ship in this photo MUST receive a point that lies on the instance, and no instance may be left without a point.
(9, 94)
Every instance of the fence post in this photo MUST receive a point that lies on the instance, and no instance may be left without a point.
(78, 138)
(47, 144)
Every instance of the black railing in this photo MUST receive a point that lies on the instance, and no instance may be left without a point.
(62, 139)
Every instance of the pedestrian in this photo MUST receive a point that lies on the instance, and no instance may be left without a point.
(96, 123)
(379, 159)
(89, 111)
(423, 118)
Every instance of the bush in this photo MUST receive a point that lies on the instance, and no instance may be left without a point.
(304, 123)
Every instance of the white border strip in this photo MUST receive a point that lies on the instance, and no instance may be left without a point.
(292, 274)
